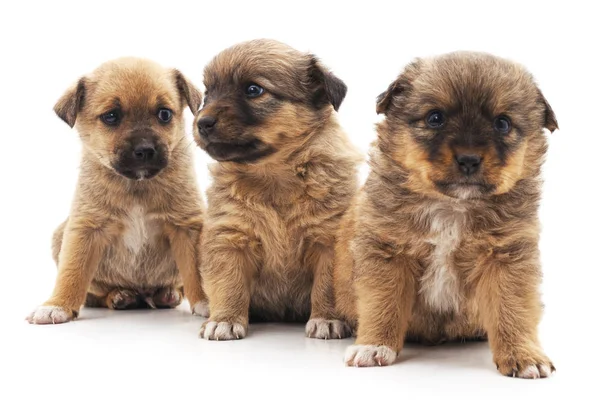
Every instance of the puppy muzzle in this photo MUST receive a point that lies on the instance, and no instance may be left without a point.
(142, 157)
(222, 148)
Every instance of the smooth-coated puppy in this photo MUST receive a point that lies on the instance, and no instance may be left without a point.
(286, 174)
(132, 237)
(442, 241)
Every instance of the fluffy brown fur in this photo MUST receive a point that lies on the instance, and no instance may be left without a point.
(286, 174)
(431, 253)
(131, 238)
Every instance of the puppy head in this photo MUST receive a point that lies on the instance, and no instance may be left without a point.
(129, 114)
(263, 97)
(465, 125)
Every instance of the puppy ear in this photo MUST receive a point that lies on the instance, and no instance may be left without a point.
(398, 86)
(550, 122)
(385, 98)
(330, 88)
(188, 91)
(71, 102)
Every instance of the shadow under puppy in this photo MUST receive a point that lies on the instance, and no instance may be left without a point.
(285, 175)
(131, 238)
(442, 241)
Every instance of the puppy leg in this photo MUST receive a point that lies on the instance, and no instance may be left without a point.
(57, 239)
(80, 253)
(386, 292)
(323, 323)
(343, 275)
(185, 247)
(510, 308)
(228, 266)
(119, 299)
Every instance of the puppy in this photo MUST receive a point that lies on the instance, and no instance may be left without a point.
(442, 241)
(131, 238)
(285, 175)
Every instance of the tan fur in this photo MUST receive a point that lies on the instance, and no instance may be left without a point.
(416, 262)
(127, 239)
(270, 226)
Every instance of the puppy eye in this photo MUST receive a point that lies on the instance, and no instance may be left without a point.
(435, 119)
(164, 115)
(111, 118)
(253, 91)
(502, 124)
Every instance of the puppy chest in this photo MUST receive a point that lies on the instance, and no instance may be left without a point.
(440, 284)
(281, 256)
(141, 256)
(282, 244)
(140, 231)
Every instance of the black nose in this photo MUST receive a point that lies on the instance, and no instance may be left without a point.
(468, 164)
(206, 124)
(144, 152)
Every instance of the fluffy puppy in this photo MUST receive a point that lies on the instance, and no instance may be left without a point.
(442, 241)
(131, 238)
(285, 175)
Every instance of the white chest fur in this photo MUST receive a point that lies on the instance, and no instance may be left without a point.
(140, 230)
(440, 286)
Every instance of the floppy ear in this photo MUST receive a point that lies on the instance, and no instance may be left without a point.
(385, 98)
(400, 85)
(550, 122)
(329, 87)
(188, 91)
(71, 102)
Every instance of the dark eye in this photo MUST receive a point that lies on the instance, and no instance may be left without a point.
(502, 124)
(253, 91)
(164, 115)
(435, 119)
(111, 118)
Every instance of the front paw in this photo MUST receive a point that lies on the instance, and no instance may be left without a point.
(525, 364)
(223, 330)
(201, 309)
(369, 356)
(327, 329)
(50, 314)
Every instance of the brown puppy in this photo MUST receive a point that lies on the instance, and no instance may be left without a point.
(442, 242)
(285, 176)
(131, 239)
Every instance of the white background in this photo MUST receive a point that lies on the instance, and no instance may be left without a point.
(153, 361)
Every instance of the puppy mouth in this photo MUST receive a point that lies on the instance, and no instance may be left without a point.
(138, 174)
(240, 151)
(464, 189)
